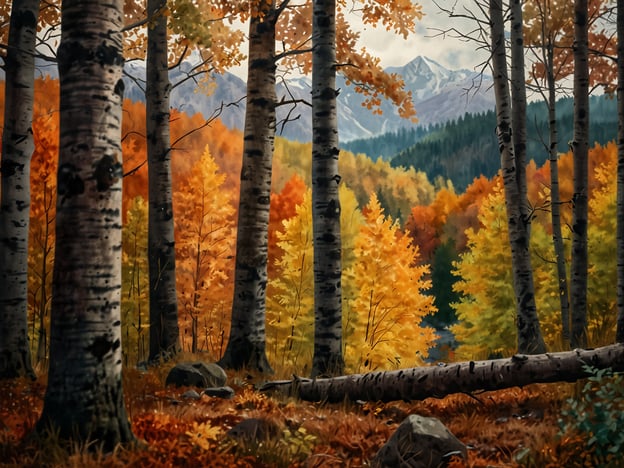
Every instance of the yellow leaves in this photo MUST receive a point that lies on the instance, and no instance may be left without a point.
(135, 281)
(290, 314)
(385, 314)
(290, 296)
(204, 435)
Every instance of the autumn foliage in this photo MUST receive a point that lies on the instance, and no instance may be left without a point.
(394, 223)
(206, 166)
(501, 428)
(376, 198)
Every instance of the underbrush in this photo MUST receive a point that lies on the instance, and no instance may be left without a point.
(513, 427)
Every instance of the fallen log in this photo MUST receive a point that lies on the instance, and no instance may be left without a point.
(439, 380)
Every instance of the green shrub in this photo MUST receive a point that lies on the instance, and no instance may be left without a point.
(597, 415)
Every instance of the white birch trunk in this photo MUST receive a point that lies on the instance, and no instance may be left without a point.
(580, 150)
(84, 396)
(530, 338)
(327, 358)
(17, 149)
(164, 328)
(620, 175)
(247, 342)
(439, 381)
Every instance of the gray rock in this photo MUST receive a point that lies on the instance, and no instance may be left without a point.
(419, 442)
(191, 395)
(220, 392)
(215, 375)
(196, 374)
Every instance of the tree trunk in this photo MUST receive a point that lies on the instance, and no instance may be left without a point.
(84, 397)
(518, 111)
(619, 336)
(164, 328)
(529, 334)
(555, 201)
(327, 358)
(247, 342)
(17, 149)
(439, 381)
(580, 150)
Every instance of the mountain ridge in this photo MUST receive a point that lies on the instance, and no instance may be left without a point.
(438, 96)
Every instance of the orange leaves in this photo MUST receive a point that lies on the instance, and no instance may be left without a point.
(203, 435)
(294, 30)
(395, 15)
(205, 242)
(364, 70)
(551, 24)
(178, 432)
(283, 207)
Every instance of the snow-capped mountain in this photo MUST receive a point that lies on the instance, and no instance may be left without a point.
(425, 77)
(439, 95)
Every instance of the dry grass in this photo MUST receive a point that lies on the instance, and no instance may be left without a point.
(497, 427)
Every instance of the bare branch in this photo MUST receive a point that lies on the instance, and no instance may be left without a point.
(135, 25)
(216, 113)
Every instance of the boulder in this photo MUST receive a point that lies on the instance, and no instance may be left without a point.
(419, 442)
(220, 392)
(196, 374)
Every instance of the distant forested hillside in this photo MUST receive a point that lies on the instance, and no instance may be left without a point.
(465, 148)
(387, 145)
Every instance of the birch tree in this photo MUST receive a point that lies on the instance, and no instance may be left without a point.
(84, 396)
(17, 149)
(164, 328)
(580, 150)
(530, 338)
(548, 23)
(247, 338)
(247, 343)
(328, 357)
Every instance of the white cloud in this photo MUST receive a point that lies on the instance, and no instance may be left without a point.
(393, 50)
(448, 51)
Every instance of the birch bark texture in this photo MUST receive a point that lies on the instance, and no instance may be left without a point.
(164, 327)
(530, 338)
(418, 383)
(619, 335)
(247, 341)
(580, 156)
(555, 200)
(84, 396)
(17, 150)
(327, 358)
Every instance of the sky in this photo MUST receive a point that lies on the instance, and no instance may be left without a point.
(447, 51)
(393, 50)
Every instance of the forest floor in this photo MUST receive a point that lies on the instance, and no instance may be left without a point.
(513, 427)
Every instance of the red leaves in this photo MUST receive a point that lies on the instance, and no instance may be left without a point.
(179, 432)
